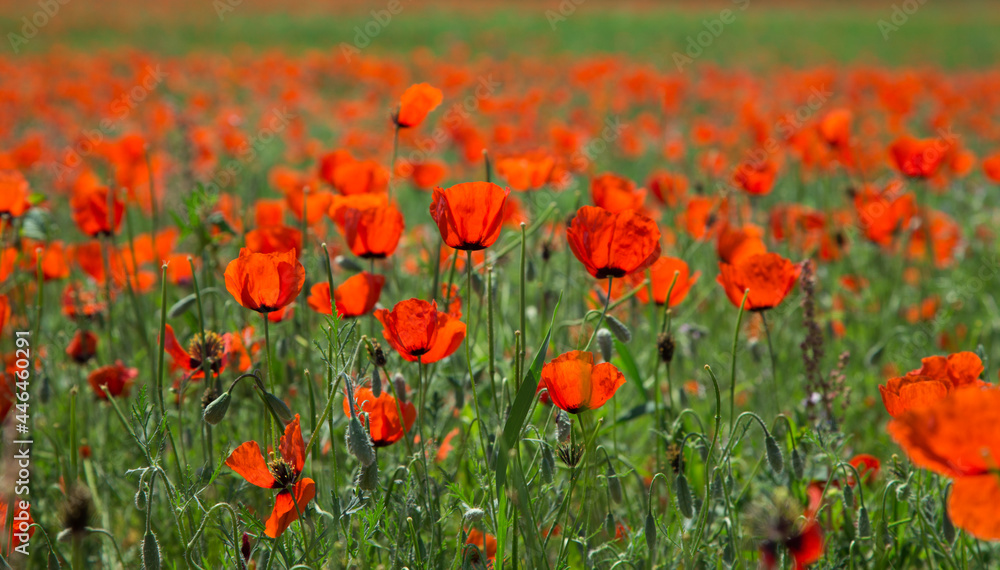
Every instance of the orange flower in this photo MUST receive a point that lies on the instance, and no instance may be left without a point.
(756, 178)
(835, 127)
(662, 275)
(918, 158)
(736, 244)
(13, 194)
(383, 417)
(282, 472)
(613, 244)
(217, 349)
(417, 330)
(274, 239)
(991, 166)
(615, 193)
(355, 297)
(487, 541)
(310, 202)
(526, 171)
(416, 102)
(113, 379)
(372, 232)
(469, 215)
(768, 276)
(265, 282)
(89, 206)
(669, 188)
(83, 347)
(936, 378)
(4, 312)
(957, 437)
(880, 214)
(575, 384)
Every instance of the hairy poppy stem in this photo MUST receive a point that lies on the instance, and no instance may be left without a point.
(163, 339)
(770, 352)
(732, 364)
(600, 321)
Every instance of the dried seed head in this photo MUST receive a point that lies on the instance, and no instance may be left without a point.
(606, 343)
(77, 511)
(665, 347)
(359, 444)
(619, 329)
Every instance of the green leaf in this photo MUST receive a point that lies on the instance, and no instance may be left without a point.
(182, 306)
(35, 224)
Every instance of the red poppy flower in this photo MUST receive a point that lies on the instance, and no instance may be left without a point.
(768, 276)
(991, 167)
(426, 175)
(800, 535)
(662, 276)
(756, 177)
(669, 188)
(835, 127)
(487, 543)
(936, 378)
(957, 437)
(113, 379)
(215, 348)
(735, 244)
(355, 297)
(918, 158)
(868, 467)
(372, 232)
(13, 194)
(613, 244)
(275, 239)
(469, 215)
(4, 312)
(575, 384)
(82, 347)
(417, 330)
(22, 525)
(527, 171)
(312, 203)
(417, 101)
(89, 206)
(78, 302)
(881, 214)
(383, 417)
(282, 472)
(265, 282)
(616, 193)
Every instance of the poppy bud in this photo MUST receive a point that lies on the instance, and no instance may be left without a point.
(368, 477)
(947, 527)
(279, 407)
(359, 444)
(216, 410)
(473, 515)
(605, 343)
(864, 524)
(774, 458)
(376, 383)
(651, 532)
(564, 426)
(903, 492)
(548, 464)
(400, 383)
(684, 497)
(798, 465)
(347, 263)
(665, 347)
(848, 497)
(614, 485)
(718, 491)
(150, 552)
(609, 524)
(619, 329)
(245, 547)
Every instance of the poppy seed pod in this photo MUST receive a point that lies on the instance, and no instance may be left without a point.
(619, 329)
(605, 343)
(358, 443)
(774, 457)
(150, 552)
(216, 410)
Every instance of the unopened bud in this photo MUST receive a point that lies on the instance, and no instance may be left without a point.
(347, 263)
(865, 523)
(774, 457)
(619, 329)
(650, 532)
(150, 552)
(614, 485)
(216, 410)
(609, 524)
(359, 444)
(548, 464)
(279, 407)
(684, 497)
(605, 343)
(368, 477)
(848, 497)
(473, 515)
(376, 383)
(400, 384)
(798, 465)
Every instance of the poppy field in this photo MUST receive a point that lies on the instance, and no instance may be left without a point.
(579, 285)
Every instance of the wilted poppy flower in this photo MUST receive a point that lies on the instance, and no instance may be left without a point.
(417, 330)
(662, 276)
(372, 232)
(82, 347)
(13, 194)
(282, 472)
(575, 384)
(469, 215)
(613, 244)
(113, 379)
(416, 102)
(383, 417)
(957, 437)
(768, 276)
(90, 211)
(756, 177)
(355, 297)
(918, 158)
(265, 282)
(936, 378)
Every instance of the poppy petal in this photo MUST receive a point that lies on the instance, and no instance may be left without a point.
(248, 462)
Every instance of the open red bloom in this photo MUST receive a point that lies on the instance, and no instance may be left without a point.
(417, 330)
(800, 535)
(486, 543)
(417, 101)
(526, 171)
(768, 276)
(113, 379)
(371, 232)
(83, 347)
(615, 193)
(215, 348)
(469, 215)
(354, 297)
(936, 378)
(282, 472)
(575, 384)
(274, 239)
(958, 437)
(918, 158)
(756, 177)
(662, 276)
(13, 194)
(383, 417)
(613, 244)
(89, 206)
(835, 127)
(265, 282)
